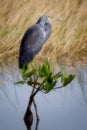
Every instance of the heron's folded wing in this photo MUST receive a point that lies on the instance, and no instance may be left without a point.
(33, 39)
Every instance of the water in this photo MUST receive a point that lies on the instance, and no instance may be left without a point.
(63, 109)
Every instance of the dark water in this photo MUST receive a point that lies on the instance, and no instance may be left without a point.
(64, 109)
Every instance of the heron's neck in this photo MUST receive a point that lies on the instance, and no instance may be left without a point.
(43, 30)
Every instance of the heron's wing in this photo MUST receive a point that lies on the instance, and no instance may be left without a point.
(25, 58)
(33, 39)
(31, 44)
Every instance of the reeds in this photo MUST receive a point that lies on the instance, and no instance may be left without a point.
(68, 40)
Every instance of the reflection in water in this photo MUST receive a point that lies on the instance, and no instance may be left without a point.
(37, 116)
(28, 117)
(64, 109)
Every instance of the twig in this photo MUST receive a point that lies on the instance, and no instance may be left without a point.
(36, 110)
(37, 115)
(59, 87)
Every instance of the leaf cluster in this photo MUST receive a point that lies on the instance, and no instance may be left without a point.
(43, 77)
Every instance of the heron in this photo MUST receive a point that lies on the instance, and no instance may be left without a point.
(33, 40)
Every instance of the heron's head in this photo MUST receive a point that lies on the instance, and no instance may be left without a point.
(43, 20)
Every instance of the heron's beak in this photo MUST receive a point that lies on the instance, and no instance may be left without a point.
(54, 19)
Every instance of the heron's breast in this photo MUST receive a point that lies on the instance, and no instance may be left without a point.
(43, 32)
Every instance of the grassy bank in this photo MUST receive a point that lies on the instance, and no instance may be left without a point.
(68, 41)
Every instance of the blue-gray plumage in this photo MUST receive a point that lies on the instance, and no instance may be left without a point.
(33, 40)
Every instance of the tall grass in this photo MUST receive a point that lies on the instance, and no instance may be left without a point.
(68, 41)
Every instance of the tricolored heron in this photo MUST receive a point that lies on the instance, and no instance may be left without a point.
(33, 40)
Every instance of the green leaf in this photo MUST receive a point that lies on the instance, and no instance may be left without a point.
(32, 72)
(47, 67)
(68, 79)
(62, 79)
(49, 78)
(30, 82)
(56, 76)
(25, 67)
(39, 70)
(20, 82)
(49, 83)
(24, 70)
(44, 69)
(49, 86)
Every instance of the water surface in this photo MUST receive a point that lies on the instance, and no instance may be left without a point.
(63, 109)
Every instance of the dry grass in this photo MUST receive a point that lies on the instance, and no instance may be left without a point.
(68, 41)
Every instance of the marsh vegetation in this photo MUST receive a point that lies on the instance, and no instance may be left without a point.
(68, 41)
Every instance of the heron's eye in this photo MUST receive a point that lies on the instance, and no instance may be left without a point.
(46, 22)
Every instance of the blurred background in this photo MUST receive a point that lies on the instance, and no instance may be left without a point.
(68, 41)
(65, 109)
